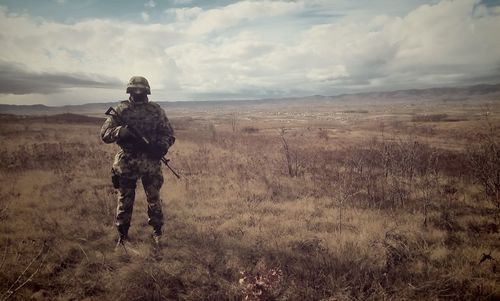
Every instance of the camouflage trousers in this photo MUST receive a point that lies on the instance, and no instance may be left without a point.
(129, 168)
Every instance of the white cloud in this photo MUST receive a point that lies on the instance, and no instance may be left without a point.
(145, 16)
(233, 14)
(182, 2)
(327, 74)
(433, 45)
(109, 48)
(150, 4)
(226, 51)
(186, 14)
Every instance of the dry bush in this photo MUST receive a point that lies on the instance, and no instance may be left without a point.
(323, 134)
(484, 160)
(291, 156)
(250, 130)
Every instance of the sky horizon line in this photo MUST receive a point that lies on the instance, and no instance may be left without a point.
(259, 99)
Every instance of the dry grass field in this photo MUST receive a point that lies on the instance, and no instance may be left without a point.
(334, 202)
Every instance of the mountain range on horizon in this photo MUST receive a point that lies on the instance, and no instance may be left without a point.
(491, 91)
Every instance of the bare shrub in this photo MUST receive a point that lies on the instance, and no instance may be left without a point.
(293, 163)
(323, 134)
(384, 173)
(428, 185)
(484, 162)
(447, 220)
(212, 132)
(250, 130)
(398, 250)
(404, 250)
(234, 122)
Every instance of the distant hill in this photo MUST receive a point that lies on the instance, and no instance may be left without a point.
(85, 109)
(58, 118)
(410, 95)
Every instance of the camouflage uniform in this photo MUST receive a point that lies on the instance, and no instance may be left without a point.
(132, 162)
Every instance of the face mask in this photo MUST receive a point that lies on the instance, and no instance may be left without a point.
(138, 97)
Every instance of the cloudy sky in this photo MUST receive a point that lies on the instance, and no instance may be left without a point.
(59, 52)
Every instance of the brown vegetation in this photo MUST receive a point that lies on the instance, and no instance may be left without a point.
(273, 205)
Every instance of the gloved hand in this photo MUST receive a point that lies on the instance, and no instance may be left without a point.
(124, 133)
(156, 152)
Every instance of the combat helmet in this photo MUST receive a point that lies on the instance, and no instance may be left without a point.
(138, 82)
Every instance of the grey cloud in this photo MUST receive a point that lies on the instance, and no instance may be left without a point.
(490, 78)
(16, 80)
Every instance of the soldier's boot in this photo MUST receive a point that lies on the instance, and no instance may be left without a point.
(122, 235)
(157, 236)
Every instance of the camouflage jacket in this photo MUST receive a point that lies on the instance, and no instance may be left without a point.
(148, 118)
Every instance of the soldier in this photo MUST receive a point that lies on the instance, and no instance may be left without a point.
(134, 160)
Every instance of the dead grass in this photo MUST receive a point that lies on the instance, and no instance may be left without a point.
(373, 210)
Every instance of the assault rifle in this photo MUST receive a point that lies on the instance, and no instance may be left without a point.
(112, 112)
